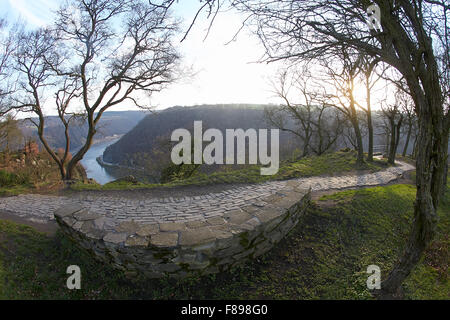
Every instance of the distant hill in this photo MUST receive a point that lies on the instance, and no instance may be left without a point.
(150, 139)
(147, 146)
(112, 123)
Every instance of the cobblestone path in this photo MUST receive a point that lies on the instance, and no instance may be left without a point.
(40, 208)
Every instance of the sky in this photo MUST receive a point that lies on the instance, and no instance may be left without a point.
(223, 73)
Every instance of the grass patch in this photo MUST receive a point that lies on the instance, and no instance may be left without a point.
(326, 164)
(13, 184)
(37, 173)
(16, 190)
(324, 257)
(9, 179)
(120, 185)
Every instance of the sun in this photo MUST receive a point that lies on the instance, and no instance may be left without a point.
(359, 92)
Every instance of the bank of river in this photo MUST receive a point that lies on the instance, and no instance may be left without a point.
(93, 169)
(104, 172)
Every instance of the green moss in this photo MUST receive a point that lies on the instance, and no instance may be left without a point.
(213, 262)
(184, 267)
(244, 242)
(162, 254)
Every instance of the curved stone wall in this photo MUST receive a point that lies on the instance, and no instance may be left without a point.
(177, 249)
(178, 235)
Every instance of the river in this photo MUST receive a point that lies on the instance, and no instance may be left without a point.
(93, 169)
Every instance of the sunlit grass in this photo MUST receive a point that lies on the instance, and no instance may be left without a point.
(324, 257)
(326, 164)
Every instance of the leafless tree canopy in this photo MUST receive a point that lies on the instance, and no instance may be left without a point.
(411, 36)
(10, 133)
(341, 74)
(100, 53)
(393, 118)
(317, 125)
(97, 54)
(7, 47)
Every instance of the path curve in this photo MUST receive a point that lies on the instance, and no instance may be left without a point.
(153, 210)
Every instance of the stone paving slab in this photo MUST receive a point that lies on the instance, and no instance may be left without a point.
(41, 208)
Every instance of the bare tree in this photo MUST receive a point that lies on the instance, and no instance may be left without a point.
(315, 123)
(7, 47)
(301, 114)
(328, 126)
(349, 131)
(409, 36)
(98, 54)
(341, 74)
(410, 117)
(394, 118)
(370, 78)
(10, 133)
(404, 100)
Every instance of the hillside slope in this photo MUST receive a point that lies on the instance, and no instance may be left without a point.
(152, 135)
(111, 123)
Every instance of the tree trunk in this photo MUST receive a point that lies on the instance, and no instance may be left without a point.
(359, 143)
(307, 140)
(425, 217)
(40, 129)
(80, 154)
(444, 188)
(69, 172)
(444, 147)
(370, 127)
(305, 152)
(397, 134)
(430, 167)
(369, 120)
(391, 154)
(62, 171)
(414, 153)
(395, 137)
(408, 137)
(355, 123)
(7, 157)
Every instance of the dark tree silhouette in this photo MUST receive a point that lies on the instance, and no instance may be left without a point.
(394, 118)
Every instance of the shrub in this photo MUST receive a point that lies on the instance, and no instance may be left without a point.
(178, 172)
(8, 179)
